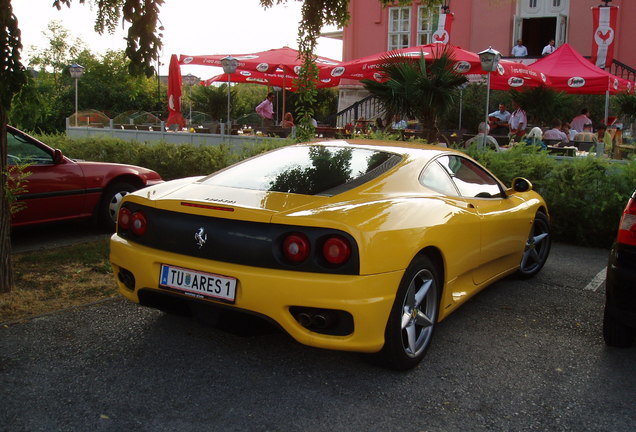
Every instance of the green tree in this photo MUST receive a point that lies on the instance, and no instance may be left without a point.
(107, 86)
(543, 104)
(418, 89)
(212, 100)
(54, 58)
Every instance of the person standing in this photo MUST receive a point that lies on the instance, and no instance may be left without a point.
(519, 50)
(549, 48)
(518, 121)
(265, 110)
(579, 122)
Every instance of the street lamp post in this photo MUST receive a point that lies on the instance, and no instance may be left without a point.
(489, 61)
(76, 73)
(190, 80)
(229, 64)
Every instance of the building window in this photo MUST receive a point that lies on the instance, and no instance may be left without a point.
(426, 24)
(556, 3)
(532, 4)
(399, 27)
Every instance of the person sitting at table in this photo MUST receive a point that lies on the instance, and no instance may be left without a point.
(586, 135)
(556, 134)
(534, 137)
(567, 129)
(585, 139)
(482, 140)
(499, 120)
(379, 125)
(398, 123)
(288, 120)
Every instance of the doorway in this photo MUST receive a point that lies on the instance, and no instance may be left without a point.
(536, 33)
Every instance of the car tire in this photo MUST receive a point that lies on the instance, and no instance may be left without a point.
(615, 333)
(111, 200)
(413, 316)
(537, 247)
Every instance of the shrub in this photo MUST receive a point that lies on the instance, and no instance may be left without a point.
(585, 196)
(171, 161)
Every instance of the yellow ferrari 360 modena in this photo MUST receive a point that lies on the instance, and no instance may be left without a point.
(346, 245)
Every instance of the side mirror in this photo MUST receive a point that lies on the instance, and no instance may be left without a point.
(520, 184)
(58, 157)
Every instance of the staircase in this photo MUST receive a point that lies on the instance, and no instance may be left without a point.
(368, 108)
(621, 70)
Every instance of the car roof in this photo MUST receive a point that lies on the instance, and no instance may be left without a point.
(401, 147)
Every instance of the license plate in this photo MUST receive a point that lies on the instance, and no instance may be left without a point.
(198, 284)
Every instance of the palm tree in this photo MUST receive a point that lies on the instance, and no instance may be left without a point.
(415, 88)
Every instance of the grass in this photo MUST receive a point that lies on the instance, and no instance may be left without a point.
(49, 280)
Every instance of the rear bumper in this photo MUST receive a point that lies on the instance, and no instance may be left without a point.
(272, 292)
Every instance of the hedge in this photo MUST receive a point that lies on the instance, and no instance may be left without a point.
(585, 196)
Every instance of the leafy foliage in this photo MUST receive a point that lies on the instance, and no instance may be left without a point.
(585, 196)
(20, 177)
(417, 89)
(143, 39)
(543, 104)
(169, 160)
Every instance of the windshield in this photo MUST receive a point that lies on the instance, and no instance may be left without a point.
(308, 170)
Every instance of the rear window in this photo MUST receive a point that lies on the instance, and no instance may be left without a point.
(307, 170)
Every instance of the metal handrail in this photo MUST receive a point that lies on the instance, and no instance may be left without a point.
(368, 108)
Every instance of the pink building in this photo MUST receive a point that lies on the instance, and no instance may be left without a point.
(479, 24)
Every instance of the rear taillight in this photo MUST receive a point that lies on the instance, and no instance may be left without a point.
(138, 223)
(123, 218)
(627, 227)
(128, 220)
(336, 250)
(296, 247)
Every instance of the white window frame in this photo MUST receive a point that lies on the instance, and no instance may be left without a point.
(399, 28)
(425, 24)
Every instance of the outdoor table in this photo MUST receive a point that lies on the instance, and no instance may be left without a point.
(562, 151)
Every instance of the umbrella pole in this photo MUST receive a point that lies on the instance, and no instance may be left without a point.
(284, 85)
(229, 122)
(606, 107)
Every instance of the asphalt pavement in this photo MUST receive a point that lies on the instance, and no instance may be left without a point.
(523, 355)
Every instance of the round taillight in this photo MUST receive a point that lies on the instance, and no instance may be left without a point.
(336, 250)
(296, 247)
(138, 223)
(123, 218)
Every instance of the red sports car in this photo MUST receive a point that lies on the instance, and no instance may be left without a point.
(59, 188)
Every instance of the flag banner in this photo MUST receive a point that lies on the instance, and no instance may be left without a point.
(604, 24)
(442, 34)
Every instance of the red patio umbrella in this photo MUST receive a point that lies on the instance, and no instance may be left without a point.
(509, 74)
(570, 72)
(276, 79)
(174, 94)
(284, 61)
(269, 61)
